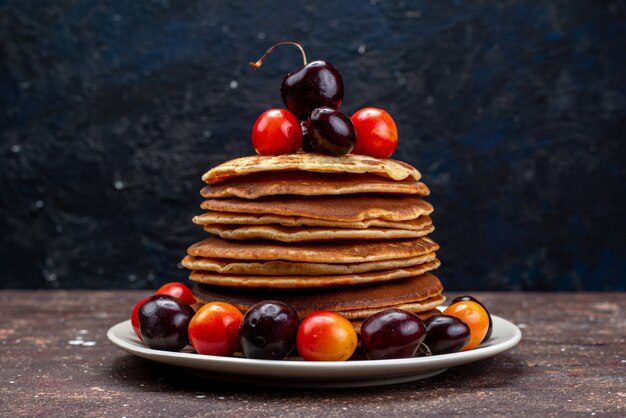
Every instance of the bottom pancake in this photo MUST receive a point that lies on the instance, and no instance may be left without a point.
(419, 293)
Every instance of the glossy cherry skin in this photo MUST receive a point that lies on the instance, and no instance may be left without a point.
(306, 142)
(317, 84)
(134, 318)
(446, 334)
(163, 322)
(268, 330)
(275, 132)
(214, 329)
(178, 290)
(331, 132)
(326, 336)
(376, 133)
(476, 318)
(392, 333)
(467, 297)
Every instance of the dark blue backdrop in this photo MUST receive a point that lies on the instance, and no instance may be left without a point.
(514, 111)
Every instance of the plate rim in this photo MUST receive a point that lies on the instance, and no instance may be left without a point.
(427, 363)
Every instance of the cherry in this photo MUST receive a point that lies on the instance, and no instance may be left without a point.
(392, 333)
(446, 334)
(466, 298)
(268, 330)
(331, 132)
(306, 142)
(276, 131)
(134, 318)
(163, 322)
(178, 290)
(316, 84)
(476, 318)
(326, 336)
(214, 329)
(376, 133)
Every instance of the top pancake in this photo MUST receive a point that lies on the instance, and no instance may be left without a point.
(351, 163)
(343, 208)
(253, 186)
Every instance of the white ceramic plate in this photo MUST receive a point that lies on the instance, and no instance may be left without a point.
(294, 373)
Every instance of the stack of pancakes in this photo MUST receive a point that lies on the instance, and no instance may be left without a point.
(344, 234)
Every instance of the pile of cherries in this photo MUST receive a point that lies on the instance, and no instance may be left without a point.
(272, 329)
(312, 120)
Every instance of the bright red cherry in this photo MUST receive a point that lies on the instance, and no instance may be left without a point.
(134, 318)
(326, 336)
(178, 290)
(376, 133)
(214, 329)
(276, 131)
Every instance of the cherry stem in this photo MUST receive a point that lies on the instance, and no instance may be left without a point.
(256, 65)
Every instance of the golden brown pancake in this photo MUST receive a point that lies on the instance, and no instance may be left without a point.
(353, 300)
(333, 252)
(299, 282)
(291, 268)
(351, 163)
(289, 234)
(269, 219)
(253, 186)
(345, 208)
(420, 306)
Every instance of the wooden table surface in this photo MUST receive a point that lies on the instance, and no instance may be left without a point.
(571, 360)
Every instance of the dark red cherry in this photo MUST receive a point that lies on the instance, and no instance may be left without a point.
(316, 84)
(331, 132)
(268, 330)
(467, 297)
(163, 322)
(306, 144)
(392, 333)
(446, 334)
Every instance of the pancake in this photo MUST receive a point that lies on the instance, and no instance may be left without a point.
(344, 208)
(332, 252)
(289, 234)
(260, 219)
(299, 282)
(351, 163)
(290, 268)
(355, 301)
(253, 186)
(420, 306)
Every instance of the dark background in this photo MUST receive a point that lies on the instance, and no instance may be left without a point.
(514, 112)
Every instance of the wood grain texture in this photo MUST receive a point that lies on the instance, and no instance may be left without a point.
(514, 112)
(571, 360)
